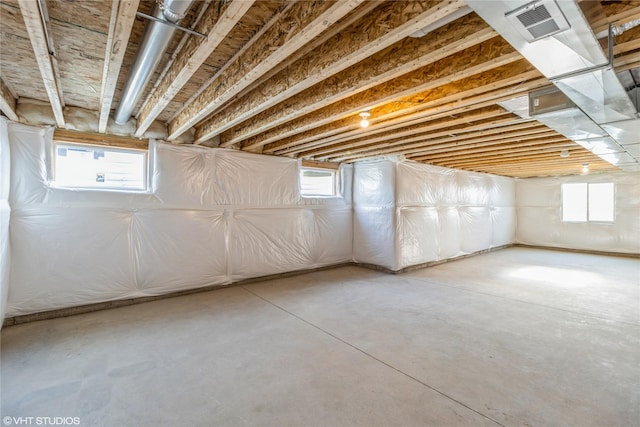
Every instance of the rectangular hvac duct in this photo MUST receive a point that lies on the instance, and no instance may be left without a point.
(555, 37)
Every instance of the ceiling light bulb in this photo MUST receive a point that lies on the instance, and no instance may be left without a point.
(585, 167)
(365, 115)
(564, 153)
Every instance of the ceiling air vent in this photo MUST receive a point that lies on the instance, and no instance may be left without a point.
(538, 19)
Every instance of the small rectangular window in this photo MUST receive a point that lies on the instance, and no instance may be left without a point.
(582, 202)
(601, 201)
(99, 167)
(317, 182)
(574, 202)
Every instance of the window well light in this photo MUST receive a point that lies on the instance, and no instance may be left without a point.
(365, 116)
(585, 168)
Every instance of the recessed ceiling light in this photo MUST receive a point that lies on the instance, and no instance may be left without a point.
(564, 153)
(585, 168)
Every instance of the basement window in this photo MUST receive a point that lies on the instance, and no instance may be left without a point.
(99, 167)
(583, 202)
(317, 182)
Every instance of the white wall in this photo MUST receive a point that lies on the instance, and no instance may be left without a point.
(539, 202)
(5, 216)
(407, 213)
(214, 216)
(217, 216)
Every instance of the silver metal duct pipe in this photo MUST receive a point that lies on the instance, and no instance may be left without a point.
(155, 40)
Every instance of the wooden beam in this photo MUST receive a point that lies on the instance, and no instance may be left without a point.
(543, 168)
(545, 157)
(614, 13)
(356, 15)
(35, 27)
(478, 59)
(7, 101)
(516, 154)
(574, 163)
(435, 109)
(464, 94)
(278, 13)
(515, 149)
(216, 23)
(400, 58)
(99, 139)
(418, 144)
(345, 49)
(345, 129)
(539, 135)
(454, 115)
(322, 165)
(302, 22)
(472, 146)
(441, 127)
(123, 14)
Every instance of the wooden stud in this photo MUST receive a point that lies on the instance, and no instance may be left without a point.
(35, 28)
(344, 50)
(7, 101)
(302, 23)
(216, 23)
(123, 14)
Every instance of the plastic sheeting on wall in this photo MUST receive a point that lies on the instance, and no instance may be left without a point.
(5, 216)
(408, 213)
(539, 204)
(214, 216)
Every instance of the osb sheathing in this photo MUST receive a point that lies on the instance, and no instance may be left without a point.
(218, 16)
(255, 18)
(452, 95)
(228, 82)
(340, 51)
(18, 66)
(474, 60)
(403, 56)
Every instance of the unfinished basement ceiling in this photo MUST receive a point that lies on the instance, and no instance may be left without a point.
(289, 78)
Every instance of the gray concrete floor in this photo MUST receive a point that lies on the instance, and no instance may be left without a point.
(515, 337)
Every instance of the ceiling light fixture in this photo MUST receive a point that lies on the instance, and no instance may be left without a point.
(365, 116)
(564, 153)
(585, 168)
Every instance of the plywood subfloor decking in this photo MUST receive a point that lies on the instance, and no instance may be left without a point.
(516, 337)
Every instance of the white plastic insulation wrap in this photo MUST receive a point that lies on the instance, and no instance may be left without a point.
(419, 213)
(5, 216)
(212, 216)
(374, 230)
(539, 202)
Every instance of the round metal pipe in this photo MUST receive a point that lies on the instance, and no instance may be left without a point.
(155, 40)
